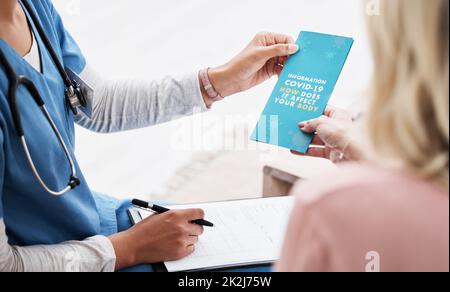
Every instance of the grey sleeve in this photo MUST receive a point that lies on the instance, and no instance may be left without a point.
(120, 105)
(95, 254)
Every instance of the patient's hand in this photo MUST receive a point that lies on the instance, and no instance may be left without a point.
(334, 136)
(263, 58)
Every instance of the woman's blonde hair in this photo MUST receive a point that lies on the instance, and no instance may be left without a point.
(409, 116)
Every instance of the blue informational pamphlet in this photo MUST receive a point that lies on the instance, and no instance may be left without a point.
(303, 90)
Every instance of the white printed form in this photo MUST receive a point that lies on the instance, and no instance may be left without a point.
(245, 232)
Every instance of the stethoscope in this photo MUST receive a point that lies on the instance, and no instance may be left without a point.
(74, 98)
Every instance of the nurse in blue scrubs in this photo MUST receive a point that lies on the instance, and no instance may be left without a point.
(31, 215)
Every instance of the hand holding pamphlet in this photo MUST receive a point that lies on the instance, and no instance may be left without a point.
(303, 90)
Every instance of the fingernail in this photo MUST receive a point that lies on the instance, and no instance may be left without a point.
(293, 48)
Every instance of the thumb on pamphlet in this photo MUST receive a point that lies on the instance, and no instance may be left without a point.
(280, 50)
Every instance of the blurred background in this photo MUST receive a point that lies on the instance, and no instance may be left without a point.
(149, 39)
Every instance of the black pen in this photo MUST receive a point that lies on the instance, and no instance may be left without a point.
(160, 210)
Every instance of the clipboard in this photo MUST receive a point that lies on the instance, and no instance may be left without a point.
(247, 233)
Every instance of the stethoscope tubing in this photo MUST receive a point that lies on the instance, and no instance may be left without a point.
(15, 82)
(66, 151)
(21, 80)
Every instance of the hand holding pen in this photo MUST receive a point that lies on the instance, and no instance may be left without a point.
(160, 210)
(169, 236)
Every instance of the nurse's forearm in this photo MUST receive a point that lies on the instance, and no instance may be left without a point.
(94, 254)
(10, 259)
(221, 80)
(124, 250)
(120, 105)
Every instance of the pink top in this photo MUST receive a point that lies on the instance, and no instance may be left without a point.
(347, 221)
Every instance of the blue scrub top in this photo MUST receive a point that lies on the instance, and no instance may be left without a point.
(31, 215)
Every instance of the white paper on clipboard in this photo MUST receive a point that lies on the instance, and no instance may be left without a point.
(246, 232)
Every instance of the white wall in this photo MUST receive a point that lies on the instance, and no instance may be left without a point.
(151, 38)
